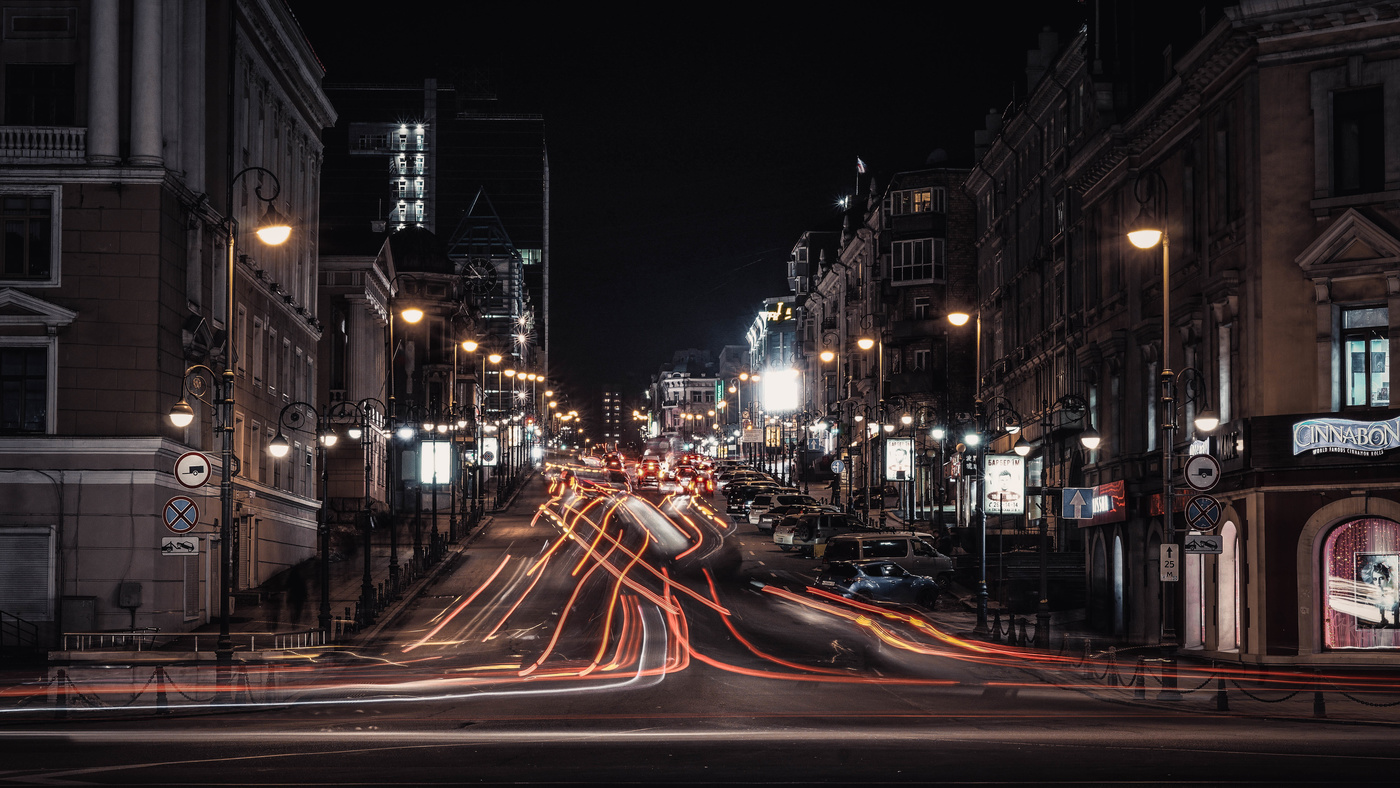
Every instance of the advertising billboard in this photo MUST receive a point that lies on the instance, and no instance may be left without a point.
(490, 450)
(435, 462)
(899, 459)
(1004, 488)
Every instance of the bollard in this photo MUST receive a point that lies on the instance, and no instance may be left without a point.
(161, 705)
(61, 696)
(1169, 690)
(1319, 703)
(1140, 680)
(1112, 673)
(1023, 640)
(996, 626)
(1222, 700)
(1088, 669)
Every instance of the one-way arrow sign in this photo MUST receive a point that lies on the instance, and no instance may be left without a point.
(1077, 503)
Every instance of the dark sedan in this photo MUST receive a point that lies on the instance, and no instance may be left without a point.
(879, 581)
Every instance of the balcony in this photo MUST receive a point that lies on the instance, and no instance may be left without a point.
(43, 145)
(908, 383)
(915, 329)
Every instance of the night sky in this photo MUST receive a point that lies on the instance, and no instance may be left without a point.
(688, 154)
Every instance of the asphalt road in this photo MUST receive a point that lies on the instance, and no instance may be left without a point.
(651, 640)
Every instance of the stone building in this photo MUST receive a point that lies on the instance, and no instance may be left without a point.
(1265, 147)
(124, 124)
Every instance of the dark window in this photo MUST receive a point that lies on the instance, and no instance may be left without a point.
(39, 95)
(842, 551)
(886, 548)
(23, 389)
(1358, 156)
(28, 233)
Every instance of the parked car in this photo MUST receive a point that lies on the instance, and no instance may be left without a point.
(806, 532)
(740, 494)
(771, 518)
(879, 581)
(765, 501)
(874, 494)
(915, 552)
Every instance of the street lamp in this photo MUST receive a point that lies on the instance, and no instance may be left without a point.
(272, 229)
(1145, 232)
(1078, 407)
(993, 418)
(293, 416)
(361, 432)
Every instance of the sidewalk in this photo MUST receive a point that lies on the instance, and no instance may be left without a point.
(1093, 663)
(285, 611)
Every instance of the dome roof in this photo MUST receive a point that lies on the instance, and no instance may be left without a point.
(419, 250)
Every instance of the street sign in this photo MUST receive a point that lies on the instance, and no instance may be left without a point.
(1077, 503)
(179, 545)
(192, 469)
(1204, 543)
(1170, 563)
(1202, 472)
(181, 514)
(490, 450)
(1203, 512)
(837, 466)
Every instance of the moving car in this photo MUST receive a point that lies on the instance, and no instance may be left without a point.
(649, 473)
(915, 552)
(878, 581)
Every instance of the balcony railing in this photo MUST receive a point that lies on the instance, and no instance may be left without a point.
(43, 144)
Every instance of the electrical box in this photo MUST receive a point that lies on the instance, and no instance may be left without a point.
(129, 595)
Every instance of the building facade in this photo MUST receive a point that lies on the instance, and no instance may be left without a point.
(127, 127)
(1265, 150)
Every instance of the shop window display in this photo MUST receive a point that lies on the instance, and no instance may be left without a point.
(1361, 562)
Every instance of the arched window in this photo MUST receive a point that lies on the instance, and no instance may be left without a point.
(1361, 582)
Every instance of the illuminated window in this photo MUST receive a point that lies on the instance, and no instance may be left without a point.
(921, 358)
(906, 201)
(1366, 357)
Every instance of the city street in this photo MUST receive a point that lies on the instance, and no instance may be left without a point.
(648, 637)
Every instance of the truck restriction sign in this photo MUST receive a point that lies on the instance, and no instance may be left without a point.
(1202, 472)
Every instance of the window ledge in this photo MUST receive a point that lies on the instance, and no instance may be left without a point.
(1325, 205)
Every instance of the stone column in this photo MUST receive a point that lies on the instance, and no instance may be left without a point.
(102, 144)
(146, 84)
(192, 106)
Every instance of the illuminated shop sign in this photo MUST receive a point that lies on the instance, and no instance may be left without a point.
(1367, 438)
(1109, 505)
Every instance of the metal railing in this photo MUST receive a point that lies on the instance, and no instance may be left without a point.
(16, 633)
(197, 642)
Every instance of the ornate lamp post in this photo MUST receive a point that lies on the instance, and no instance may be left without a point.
(361, 432)
(272, 229)
(1078, 408)
(992, 419)
(294, 415)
